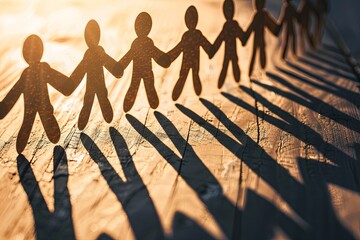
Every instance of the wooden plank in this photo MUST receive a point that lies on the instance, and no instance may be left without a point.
(279, 152)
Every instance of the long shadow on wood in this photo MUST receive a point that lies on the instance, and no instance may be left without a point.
(346, 55)
(197, 176)
(49, 225)
(191, 168)
(132, 192)
(329, 64)
(298, 196)
(332, 88)
(184, 227)
(293, 126)
(311, 102)
(333, 69)
(324, 220)
(335, 57)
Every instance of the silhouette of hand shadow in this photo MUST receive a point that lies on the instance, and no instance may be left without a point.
(230, 32)
(49, 225)
(93, 63)
(190, 45)
(191, 168)
(141, 52)
(290, 124)
(33, 85)
(307, 100)
(132, 192)
(262, 19)
(296, 194)
(288, 17)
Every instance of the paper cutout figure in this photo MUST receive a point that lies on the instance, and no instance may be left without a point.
(141, 53)
(230, 32)
(92, 64)
(33, 85)
(306, 9)
(261, 20)
(190, 45)
(289, 16)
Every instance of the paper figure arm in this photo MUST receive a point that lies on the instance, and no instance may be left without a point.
(283, 14)
(219, 40)
(78, 74)
(126, 59)
(176, 51)
(121, 65)
(240, 34)
(11, 98)
(249, 30)
(205, 44)
(161, 58)
(111, 65)
(271, 24)
(59, 81)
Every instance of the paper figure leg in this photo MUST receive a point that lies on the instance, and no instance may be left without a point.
(223, 73)
(252, 60)
(131, 93)
(51, 125)
(196, 80)
(151, 91)
(180, 83)
(236, 69)
(25, 130)
(86, 110)
(105, 106)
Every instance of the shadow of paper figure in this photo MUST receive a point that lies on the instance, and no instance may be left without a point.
(312, 173)
(230, 32)
(191, 168)
(131, 192)
(142, 51)
(322, 9)
(92, 64)
(308, 100)
(183, 225)
(289, 16)
(303, 201)
(33, 84)
(190, 45)
(49, 225)
(261, 20)
(306, 11)
(104, 236)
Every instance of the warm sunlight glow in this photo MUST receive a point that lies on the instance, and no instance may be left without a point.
(177, 119)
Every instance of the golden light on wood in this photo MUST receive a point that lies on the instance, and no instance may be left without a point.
(271, 155)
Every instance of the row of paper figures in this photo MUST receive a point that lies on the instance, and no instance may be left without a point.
(34, 79)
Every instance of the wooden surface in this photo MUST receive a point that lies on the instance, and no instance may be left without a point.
(277, 157)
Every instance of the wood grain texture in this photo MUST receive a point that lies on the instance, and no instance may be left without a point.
(274, 157)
